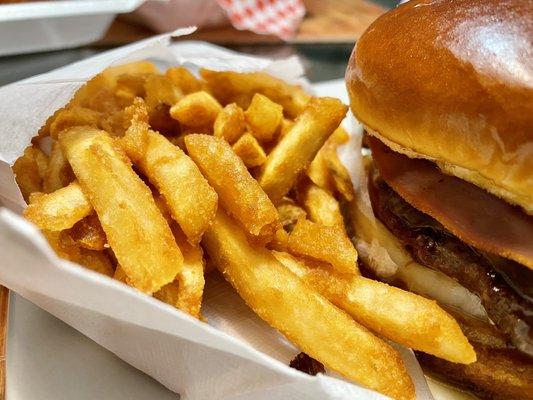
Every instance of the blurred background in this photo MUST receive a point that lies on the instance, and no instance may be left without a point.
(38, 36)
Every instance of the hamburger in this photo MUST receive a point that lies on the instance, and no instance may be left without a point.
(444, 89)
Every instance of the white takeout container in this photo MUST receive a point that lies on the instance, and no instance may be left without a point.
(235, 356)
(52, 25)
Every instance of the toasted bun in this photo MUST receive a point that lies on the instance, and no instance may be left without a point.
(452, 81)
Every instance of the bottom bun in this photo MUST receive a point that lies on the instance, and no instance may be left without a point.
(499, 372)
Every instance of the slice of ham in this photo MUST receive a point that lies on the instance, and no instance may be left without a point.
(475, 216)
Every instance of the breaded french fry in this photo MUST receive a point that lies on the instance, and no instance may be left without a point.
(318, 171)
(191, 201)
(196, 110)
(230, 123)
(238, 192)
(320, 205)
(58, 174)
(305, 317)
(74, 116)
(66, 248)
(298, 147)
(88, 233)
(59, 210)
(250, 151)
(30, 169)
(396, 314)
(136, 231)
(289, 213)
(263, 116)
(186, 291)
(229, 87)
(339, 174)
(160, 90)
(184, 79)
(134, 68)
(323, 243)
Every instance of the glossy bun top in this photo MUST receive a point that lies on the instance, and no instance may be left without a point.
(452, 81)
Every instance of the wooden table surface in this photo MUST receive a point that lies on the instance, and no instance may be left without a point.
(326, 21)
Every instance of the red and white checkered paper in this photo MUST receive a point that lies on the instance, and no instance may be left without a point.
(272, 17)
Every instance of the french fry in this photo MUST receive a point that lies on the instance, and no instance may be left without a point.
(196, 110)
(305, 317)
(321, 206)
(229, 87)
(185, 292)
(396, 314)
(136, 231)
(74, 116)
(238, 192)
(30, 170)
(160, 90)
(58, 174)
(88, 233)
(263, 117)
(339, 174)
(298, 147)
(133, 68)
(59, 210)
(286, 126)
(323, 243)
(318, 171)
(289, 213)
(66, 248)
(230, 123)
(130, 86)
(184, 79)
(192, 202)
(250, 151)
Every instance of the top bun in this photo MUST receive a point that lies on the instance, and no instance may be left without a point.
(452, 81)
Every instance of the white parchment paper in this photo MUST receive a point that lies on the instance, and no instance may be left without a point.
(233, 356)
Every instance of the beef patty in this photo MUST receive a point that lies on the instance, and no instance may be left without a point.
(432, 245)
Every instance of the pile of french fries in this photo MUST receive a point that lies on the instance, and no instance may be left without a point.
(149, 175)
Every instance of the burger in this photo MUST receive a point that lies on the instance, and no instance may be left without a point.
(444, 90)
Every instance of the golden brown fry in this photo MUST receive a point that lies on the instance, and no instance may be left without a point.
(238, 191)
(321, 206)
(88, 233)
(192, 202)
(29, 169)
(318, 171)
(250, 151)
(133, 68)
(323, 243)
(136, 231)
(286, 126)
(185, 292)
(339, 174)
(289, 212)
(230, 123)
(280, 241)
(229, 87)
(74, 116)
(59, 210)
(130, 86)
(120, 275)
(66, 248)
(160, 90)
(299, 146)
(184, 79)
(338, 137)
(58, 174)
(396, 314)
(263, 117)
(196, 110)
(305, 317)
